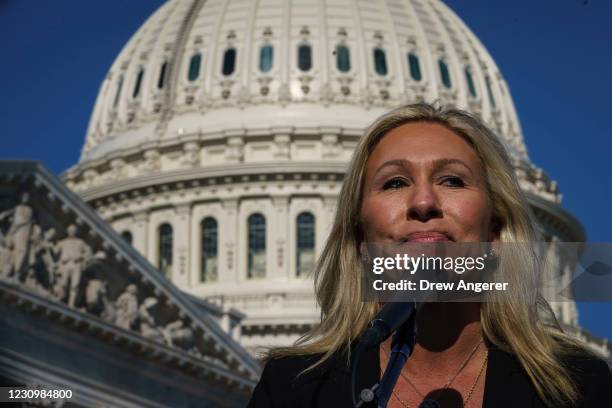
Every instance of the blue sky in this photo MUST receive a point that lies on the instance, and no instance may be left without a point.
(554, 54)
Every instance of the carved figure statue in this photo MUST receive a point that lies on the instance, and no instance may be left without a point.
(73, 254)
(6, 257)
(97, 302)
(148, 326)
(177, 335)
(18, 235)
(127, 307)
(35, 268)
(47, 248)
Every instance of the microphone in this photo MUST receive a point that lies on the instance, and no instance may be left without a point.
(391, 317)
(388, 320)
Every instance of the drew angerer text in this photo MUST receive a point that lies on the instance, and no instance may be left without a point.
(424, 285)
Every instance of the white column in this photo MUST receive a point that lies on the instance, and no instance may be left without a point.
(152, 243)
(279, 230)
(140, 232)
(195, 248)
(229, 245)
(182, 232)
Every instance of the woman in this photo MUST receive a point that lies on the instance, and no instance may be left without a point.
(423, 174)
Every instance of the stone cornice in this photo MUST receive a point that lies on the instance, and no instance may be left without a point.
(556, 218)
(219, 136)
(212, 172)
(115, 335)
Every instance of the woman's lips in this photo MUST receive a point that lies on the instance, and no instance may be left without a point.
(427, 237)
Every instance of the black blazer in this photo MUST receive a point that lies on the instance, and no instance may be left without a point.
(506, 384)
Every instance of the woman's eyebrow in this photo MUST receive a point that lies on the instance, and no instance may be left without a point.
(436, 164)
(441, 163)
(392, 163)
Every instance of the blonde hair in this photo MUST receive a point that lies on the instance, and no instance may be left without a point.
(514, 327)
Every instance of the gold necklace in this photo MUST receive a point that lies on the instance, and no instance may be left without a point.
(449, 382)
(430, 403)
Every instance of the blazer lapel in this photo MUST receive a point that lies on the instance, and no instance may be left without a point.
(368, 373)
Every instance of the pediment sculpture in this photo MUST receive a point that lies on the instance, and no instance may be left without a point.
(54, 246)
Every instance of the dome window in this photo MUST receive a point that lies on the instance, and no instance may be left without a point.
(380, 61)
(305, 243)
(266, 58)
(444, 74)
(229, 61)
(164, 257)
(118, 93)
(138, 83)
(127, 236)
(343, 58)
(194, 67)
(470, 81)
(415, 66)
(490, 91)
(162, 75)
(304, 57)
(209, 233)
(256, 246)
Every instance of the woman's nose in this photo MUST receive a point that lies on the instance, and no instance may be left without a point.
(423, 203)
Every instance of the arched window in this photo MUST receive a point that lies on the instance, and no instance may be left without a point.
(118, 93)
(304, 57)
(415, 66)
(161, 81)
(209, 266)
(229, 61)
(194, 67)
(164, 259)
(380, 61)
(343, 58)
(256, 246)
(138, 83)
(470, 81)
(490, 91)
(127, 236)
(305, 243)
(266, 58)
(444, 73)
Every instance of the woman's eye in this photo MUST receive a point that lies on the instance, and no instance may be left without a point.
(394, 183)
(453, 181)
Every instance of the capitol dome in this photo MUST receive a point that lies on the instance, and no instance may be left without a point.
(203, 70)
(222, 131)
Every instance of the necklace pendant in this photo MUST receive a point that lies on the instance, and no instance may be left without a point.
(429, 403)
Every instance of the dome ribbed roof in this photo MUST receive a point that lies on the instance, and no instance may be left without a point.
(177, 77)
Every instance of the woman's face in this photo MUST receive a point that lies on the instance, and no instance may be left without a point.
(424, 183)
